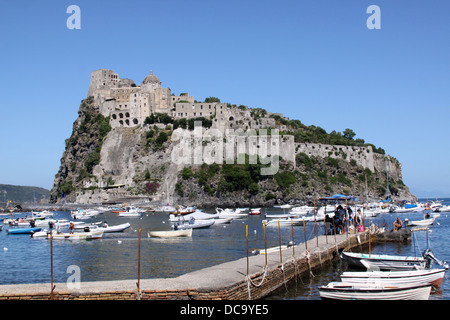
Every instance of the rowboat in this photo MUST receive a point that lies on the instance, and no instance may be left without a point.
(424, 222)
(94, 234)
(23, 230)
(374, 291)
(383, 261)
(412, 277)
(170, 233)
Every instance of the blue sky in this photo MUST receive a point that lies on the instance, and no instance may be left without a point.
(313, 60)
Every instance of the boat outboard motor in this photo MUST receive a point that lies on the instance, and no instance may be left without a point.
(429, 257)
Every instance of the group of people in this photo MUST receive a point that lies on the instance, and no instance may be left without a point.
(343, 219)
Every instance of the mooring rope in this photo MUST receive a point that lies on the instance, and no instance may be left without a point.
(249, 280)
(308, 258)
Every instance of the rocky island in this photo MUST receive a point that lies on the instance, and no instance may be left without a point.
(142, 142)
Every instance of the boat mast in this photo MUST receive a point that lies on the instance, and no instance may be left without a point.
(387, 180)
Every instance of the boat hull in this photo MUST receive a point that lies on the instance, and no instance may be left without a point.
(383, 262)
(170, 233)
(414, 277)
(24, 230)
(97, 234)
(349, 291)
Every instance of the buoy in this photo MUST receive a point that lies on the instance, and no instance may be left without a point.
(5, 249)
(119, 241)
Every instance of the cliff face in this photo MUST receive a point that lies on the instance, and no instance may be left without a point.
(104, 164)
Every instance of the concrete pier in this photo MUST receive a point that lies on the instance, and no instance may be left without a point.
(226, 281)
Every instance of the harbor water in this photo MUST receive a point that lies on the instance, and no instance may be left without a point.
(115, 257)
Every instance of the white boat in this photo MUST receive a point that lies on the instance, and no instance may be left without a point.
(383, 261)
(84, 213)
(403, 210)
(196, 224)
(301, 211)
(105, 227)
(445, 208)
(424, 222)
(198, 215)
(255, 211)
(170, 233)
(429, 276)
(222, 220)
(374, 291)
(41, 214)
(94, 234)
(284, 222)
(229, 213)
(47, 222)
(130, 211)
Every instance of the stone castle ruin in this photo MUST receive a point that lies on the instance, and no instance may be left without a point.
(233, 130)
(128, 104)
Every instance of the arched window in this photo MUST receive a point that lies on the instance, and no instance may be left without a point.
(135, 121)
(121, 115)
(114, 116)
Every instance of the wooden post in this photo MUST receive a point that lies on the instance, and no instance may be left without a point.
(246, 236)
(279, 242)
(304, 230)
(51, 265)
(315, 225)
(370, 240)
(293, 241)
(139, 261)
(265, 243)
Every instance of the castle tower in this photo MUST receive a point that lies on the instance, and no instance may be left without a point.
(151, 82)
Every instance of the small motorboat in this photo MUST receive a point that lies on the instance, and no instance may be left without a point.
(421, 223)
(374, 291)
(130, 212)
(383, 261)
(195, 224)
(94, 234)
(229, 213)
(255, 212)
(170, 233)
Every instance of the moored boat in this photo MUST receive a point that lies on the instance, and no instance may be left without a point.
(383, 261)
(428, 276)
(94, 234)
(229, 213)
(424, 222)
(374, 291)
(196, 224)
(255, 211)
(130, 212)
(23, 230)
(170, 233)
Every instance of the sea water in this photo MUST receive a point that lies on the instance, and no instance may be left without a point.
(115, 257)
